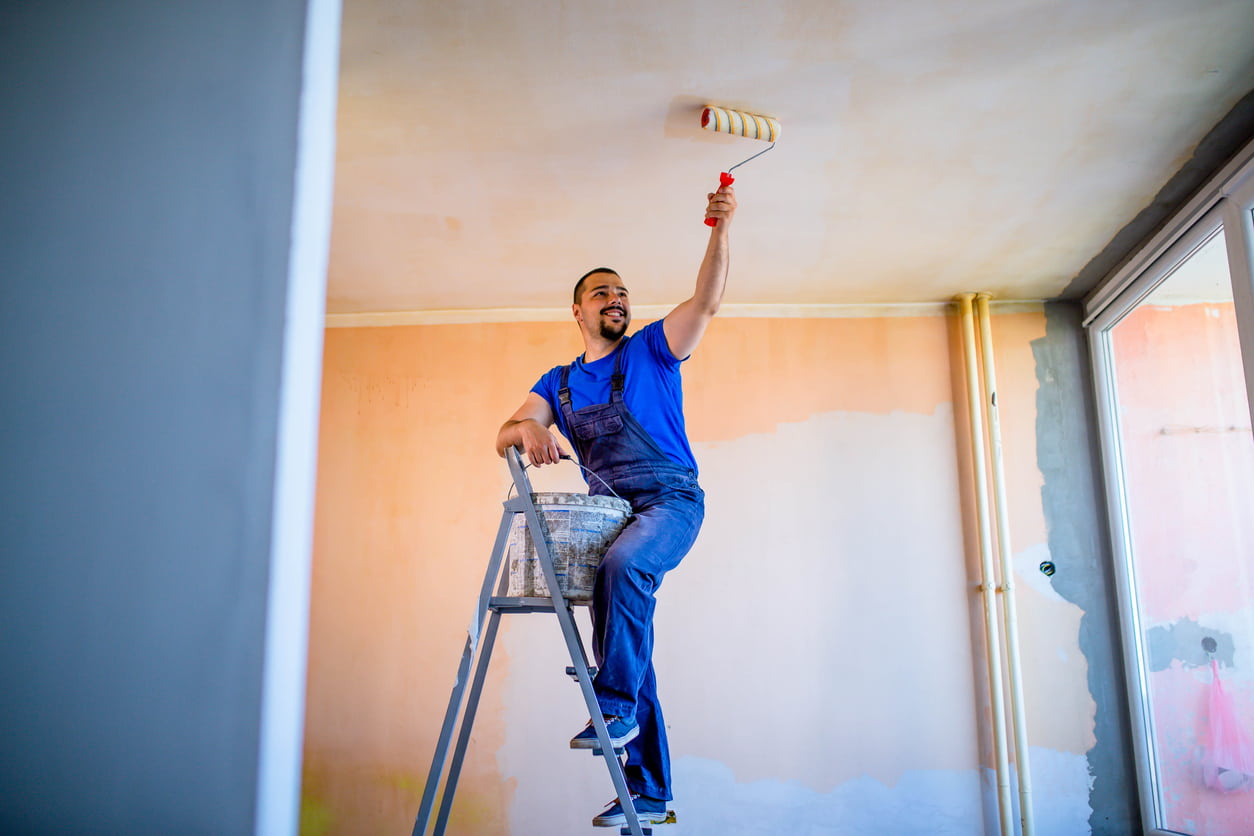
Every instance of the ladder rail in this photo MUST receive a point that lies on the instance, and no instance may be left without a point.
(468, 720)
(469, 651)
(487, 643)
(574, 645)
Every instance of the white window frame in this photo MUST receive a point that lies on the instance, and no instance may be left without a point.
(1226, 202)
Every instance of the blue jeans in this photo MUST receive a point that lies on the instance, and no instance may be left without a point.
(669, 508)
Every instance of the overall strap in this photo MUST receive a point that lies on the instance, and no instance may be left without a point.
(616, 380)
(563, 393)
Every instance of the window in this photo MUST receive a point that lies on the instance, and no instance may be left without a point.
(1173, 393)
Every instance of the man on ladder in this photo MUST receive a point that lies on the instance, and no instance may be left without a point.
(621, 406)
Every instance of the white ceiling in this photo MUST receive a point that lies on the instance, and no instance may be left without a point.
(491, 151)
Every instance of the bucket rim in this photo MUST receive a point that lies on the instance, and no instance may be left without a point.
(557, 499)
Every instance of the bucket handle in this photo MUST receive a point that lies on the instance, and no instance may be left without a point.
(568, 457)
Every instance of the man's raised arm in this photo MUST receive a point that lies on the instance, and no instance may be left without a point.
(685, 325)
(528, 428)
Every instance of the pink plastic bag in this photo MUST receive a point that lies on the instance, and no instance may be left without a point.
(1228, 758)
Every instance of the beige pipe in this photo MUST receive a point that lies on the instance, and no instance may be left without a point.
(1013, 660)
(988, 580)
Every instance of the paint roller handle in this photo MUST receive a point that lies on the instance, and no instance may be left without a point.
(724, 179)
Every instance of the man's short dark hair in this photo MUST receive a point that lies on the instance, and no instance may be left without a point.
(593, 272)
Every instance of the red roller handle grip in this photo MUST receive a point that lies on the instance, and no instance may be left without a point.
(724, 179)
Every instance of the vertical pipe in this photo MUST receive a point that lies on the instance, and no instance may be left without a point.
(1013, 661)
(988, 582)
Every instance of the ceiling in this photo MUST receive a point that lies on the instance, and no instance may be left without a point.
(492, 151)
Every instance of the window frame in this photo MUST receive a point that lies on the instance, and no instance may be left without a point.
(1225, 204)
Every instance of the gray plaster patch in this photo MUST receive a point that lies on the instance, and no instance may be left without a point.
(1075, 516)
(1182, 640)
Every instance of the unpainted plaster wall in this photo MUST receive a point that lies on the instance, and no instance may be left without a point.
(833, 583)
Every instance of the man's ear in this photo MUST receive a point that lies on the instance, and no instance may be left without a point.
(574, 309)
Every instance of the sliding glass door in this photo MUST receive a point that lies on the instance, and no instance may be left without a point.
(1179, 432)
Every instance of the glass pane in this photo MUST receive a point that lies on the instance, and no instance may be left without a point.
(1189, 466)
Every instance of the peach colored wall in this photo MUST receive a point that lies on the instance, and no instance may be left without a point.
(832, 584)
(406, 512)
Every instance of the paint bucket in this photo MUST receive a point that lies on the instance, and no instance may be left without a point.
(581, 529)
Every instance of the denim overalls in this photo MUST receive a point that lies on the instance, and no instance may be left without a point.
(668, 506)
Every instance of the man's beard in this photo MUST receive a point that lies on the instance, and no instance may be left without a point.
(614, 330)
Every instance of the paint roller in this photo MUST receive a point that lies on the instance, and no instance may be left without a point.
(739, 123)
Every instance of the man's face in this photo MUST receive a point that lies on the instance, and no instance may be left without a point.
(603, 308)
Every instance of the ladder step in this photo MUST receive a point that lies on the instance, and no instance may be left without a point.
(570, 671)
(618, 750)
(521, 605)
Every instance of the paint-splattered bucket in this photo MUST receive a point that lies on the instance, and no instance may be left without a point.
(581, 528)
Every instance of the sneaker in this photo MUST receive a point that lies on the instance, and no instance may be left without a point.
(622, 731)
(648, 811)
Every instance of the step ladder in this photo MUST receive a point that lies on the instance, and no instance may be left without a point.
(480, 638)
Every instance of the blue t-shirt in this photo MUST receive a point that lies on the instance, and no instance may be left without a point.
(652, 390)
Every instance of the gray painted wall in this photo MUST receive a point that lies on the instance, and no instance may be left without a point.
(1079, 545)
(147, 153)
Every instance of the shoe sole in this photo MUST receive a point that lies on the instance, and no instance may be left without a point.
(621, 819)
(593, 743)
